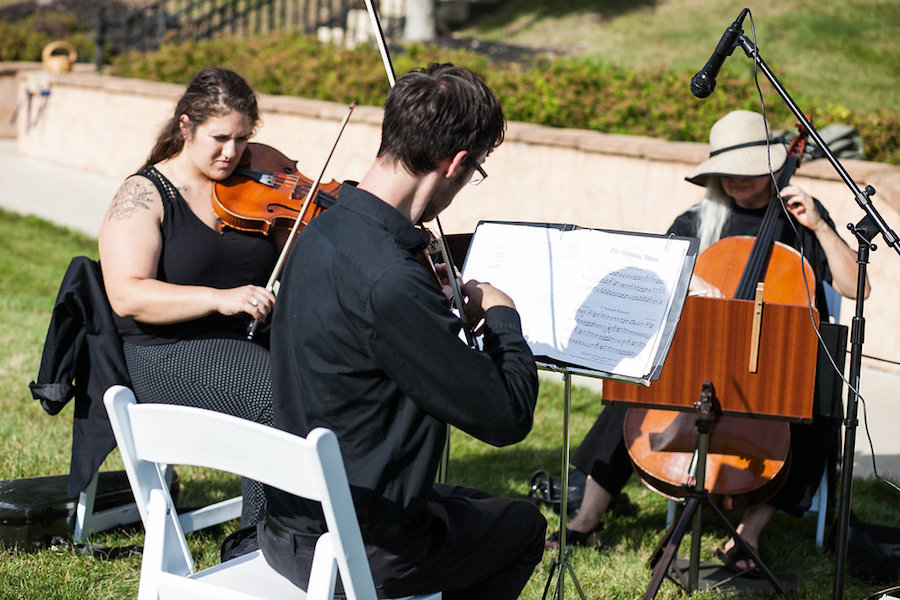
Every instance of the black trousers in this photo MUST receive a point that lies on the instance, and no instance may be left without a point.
(603, 455)
(475, 547)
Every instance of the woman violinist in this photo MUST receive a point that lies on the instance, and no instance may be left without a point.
(739, 188)
(183, 288)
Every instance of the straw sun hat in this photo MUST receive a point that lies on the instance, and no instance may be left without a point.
(737, 148)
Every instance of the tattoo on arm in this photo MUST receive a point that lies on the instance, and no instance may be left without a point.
(132, 196)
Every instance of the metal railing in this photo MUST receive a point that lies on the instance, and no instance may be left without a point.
(145, 28)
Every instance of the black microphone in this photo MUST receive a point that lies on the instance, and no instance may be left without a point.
(704, 82)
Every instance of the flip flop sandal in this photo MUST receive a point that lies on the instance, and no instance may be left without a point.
(732, 557)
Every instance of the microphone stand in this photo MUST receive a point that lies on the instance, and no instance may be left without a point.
(865, 231)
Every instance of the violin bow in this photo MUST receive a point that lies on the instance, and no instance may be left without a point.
(289, 242)
(382, 45)
(448, 259)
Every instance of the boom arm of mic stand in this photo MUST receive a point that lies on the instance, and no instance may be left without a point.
(862, 198)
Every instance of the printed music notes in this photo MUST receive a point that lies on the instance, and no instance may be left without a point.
(601, 300)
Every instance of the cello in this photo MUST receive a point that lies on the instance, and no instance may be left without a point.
(747, 458)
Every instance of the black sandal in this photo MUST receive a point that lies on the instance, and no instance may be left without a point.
(732, 557)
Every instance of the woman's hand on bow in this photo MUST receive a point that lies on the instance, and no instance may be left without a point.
(254, 300)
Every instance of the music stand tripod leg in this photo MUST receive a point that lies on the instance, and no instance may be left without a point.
(697, 498)
(444, 466)
(562, 562)
(560, 580)
(673, 541)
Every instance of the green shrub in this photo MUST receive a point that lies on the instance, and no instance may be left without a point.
(21, 43)
(565, 92)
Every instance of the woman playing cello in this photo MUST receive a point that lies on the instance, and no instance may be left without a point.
(183, 288)
(739, 188)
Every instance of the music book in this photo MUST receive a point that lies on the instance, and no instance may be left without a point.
(599, 302)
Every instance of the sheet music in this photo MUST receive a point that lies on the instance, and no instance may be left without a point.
(594, 298)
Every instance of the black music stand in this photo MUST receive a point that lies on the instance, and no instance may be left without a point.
(616, 278)
(696, 499)
(783, 335)
(457, 246)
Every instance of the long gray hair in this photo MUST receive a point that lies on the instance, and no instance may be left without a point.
(715, 209)
(712, 212)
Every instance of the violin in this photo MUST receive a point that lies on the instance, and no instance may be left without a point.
(430, 254)
(437, 252)
(266, 191)
(747, 459)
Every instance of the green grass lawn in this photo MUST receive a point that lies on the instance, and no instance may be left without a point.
(34, 255)
(844, 51)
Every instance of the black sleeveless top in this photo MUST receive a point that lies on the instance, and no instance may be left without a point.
(194, 254)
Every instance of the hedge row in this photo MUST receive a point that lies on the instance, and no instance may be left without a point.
(572, 93)
(564, 92)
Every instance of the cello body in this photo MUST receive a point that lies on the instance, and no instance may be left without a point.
(722, 262)
(746, 462)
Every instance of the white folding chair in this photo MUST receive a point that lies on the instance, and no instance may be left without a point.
(88, 520)
(153, 435)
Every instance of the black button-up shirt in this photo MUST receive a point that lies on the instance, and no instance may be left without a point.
(364, 343)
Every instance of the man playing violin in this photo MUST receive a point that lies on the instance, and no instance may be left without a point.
(738, 188)
(364, 343)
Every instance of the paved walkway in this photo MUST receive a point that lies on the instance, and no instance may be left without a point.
(79, 200)
(64, 195)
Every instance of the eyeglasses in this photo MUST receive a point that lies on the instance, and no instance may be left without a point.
(479, 175)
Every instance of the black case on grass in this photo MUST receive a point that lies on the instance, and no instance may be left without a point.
(34, 510)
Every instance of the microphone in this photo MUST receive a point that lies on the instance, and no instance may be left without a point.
(704, 82)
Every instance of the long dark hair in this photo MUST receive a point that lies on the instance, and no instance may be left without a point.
(212, 92)
(432, 113)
